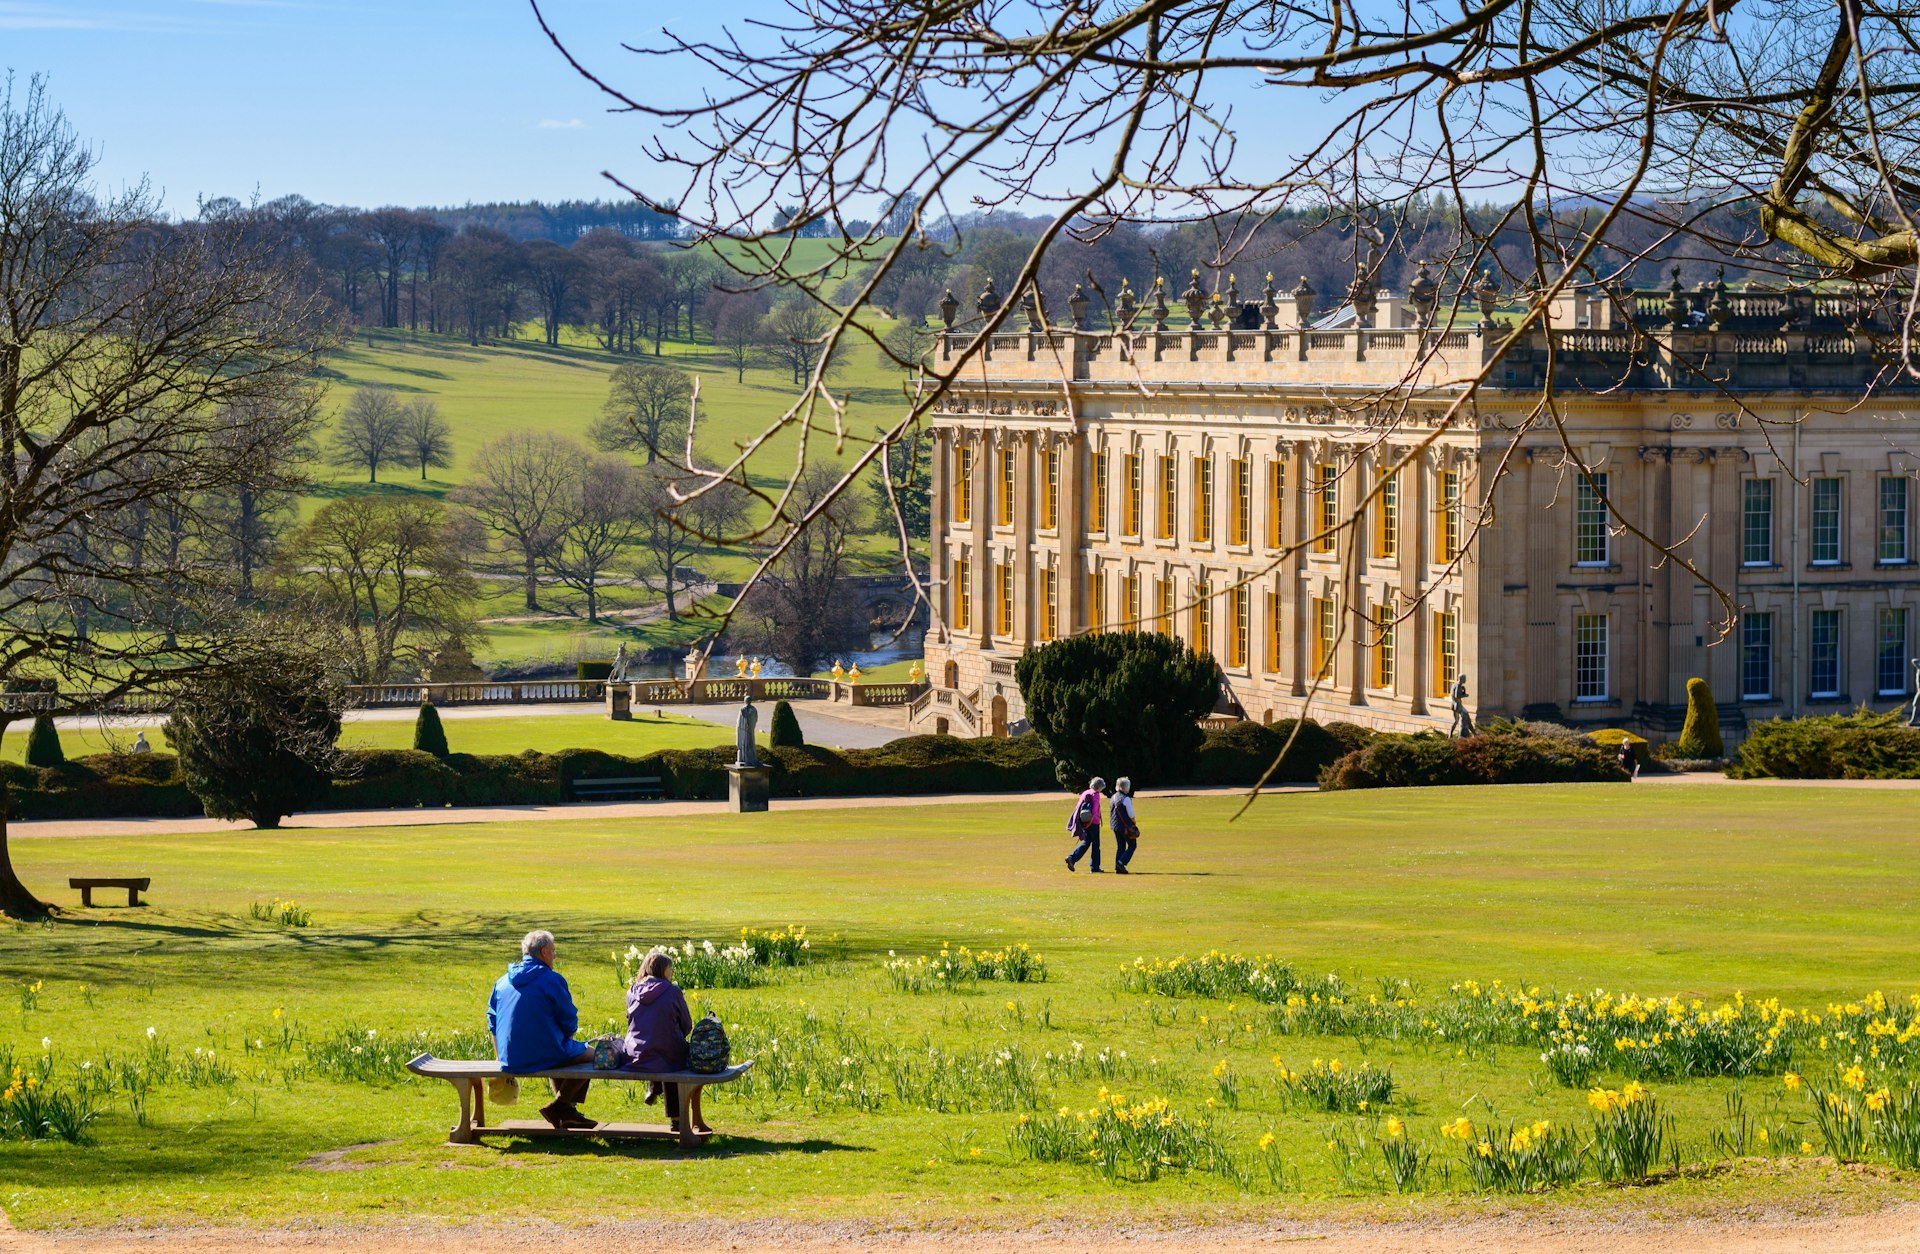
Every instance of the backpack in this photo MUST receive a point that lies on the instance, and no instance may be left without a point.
(1082, 819)
(708, 1052)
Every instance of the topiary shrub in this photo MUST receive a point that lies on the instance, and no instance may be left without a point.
(43, 743)
(428, 735)
(783, 730)
(1700, 734)
(1430, 759)
(256, 737)
(1118, 703)
(1610, 738)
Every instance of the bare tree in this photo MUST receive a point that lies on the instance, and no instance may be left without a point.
(143, 364)
(795, 334)
(556, 276)
(734, 320)
(428, 437)
(389, 571)
(804, 611)
(371, 433)
(604, 515)
(518, 491)
(681, 518)
(648, 407)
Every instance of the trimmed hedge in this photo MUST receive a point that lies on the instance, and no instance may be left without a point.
(100, 785)
(1240, 754)
(1862, 745)
(1430, 759)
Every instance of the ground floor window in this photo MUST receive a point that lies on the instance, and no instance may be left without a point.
(1163, 606)
(1823, 654)
(1326, 638)
(1050, 602)
(1590, 657)
(1274, 630)
(1096, 600)
(1446, 651)
(962, 594)
(1383, 644)
(1892, 666)
(1756, 657)
(1003, 602)
(1202, 618)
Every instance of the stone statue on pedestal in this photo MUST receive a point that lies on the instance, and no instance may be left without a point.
(617, 673)
(1913, 711)
(745, 753)
(1462, 721)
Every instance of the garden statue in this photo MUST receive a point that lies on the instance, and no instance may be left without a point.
(740, 666)
(1913, 711)
(744, 752)
(1462, 721)
(753, 668)
(140, 744)
(617, 673)
(853, 676)
(914, 676)
(838, 673)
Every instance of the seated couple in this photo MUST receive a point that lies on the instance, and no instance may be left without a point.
(532, 1020)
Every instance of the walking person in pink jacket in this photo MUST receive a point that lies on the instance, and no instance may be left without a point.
(1084, 825)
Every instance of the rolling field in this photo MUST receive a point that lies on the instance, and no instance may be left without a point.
(229, 1051)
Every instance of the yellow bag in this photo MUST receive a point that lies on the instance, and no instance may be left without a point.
(503, 1090)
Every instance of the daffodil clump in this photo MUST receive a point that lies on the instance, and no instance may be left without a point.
(36, 1107)
(1859, 1115)
(702, 965)
(786, 948)
(1213, 974)
(1332, 1086)
(949, 969)
(1124, 1140)
(284, 912)
(1630, 1132)
(1517, 1158)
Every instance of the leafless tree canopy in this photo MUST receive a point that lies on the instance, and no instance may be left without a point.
(1549, 144)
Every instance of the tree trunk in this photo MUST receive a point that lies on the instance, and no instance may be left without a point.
(15, 899)
(673, 615)
(593, 602)
(533, 585)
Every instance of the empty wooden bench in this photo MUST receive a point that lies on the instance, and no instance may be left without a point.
(469, 1079)
(625, 788)
(134, 884)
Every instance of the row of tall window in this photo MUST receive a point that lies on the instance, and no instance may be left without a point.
(1198, 488)
(1825, 654)
(1827, 522)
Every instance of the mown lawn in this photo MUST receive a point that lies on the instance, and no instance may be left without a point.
(875, 1100)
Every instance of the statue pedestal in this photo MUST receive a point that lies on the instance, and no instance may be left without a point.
(620, 702)
(748, 788)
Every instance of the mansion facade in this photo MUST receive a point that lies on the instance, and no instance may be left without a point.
(1346, 526)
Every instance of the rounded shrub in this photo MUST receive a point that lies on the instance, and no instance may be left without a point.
(1430, 759)
(428, 735)
(1119, 703)
(43, 743)
(1700, 734)
(783, 730)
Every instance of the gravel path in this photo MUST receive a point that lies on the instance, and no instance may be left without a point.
(1892, 1231)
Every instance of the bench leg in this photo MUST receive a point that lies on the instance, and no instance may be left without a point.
(86, 897)
(462, 1133)
(133, 897)
(689, 1115)
(693, 1107)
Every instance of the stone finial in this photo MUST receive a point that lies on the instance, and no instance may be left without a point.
(1233, 295)
(1364, 295)
(1718, 309)
(1269, 307)
(949, 308)
(1487, 293)
(1303, 300)
(1195, 299)
(989, 299)
(1030, 306)
(1677, 304)
(1077, 306)
(1216, 312)
(1425, 294)
(1160, 310)
(1127, 307)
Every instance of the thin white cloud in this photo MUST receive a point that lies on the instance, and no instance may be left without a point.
(553, 124)
(22, 15)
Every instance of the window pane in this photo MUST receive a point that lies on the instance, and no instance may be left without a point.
(1756, 657)
(1449, 515)
(1328, 493)
(1826, 521)
(1823, 674)
(1383, 645)
(1590, 657)
(1097, 514)
(1757, 529)
(1386, 531)
(1893, 520)
(1892, 667)
(1590, 521)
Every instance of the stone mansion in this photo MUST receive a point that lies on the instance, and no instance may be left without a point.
(1234, 482)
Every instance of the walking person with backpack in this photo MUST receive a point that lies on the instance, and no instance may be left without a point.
(1084, 825)
(1126, 831)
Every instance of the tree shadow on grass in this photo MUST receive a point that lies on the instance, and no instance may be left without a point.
(722, 1145)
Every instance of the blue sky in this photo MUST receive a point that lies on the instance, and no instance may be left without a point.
(358, 102)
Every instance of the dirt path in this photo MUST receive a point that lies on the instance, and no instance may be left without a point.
(1893, 1231)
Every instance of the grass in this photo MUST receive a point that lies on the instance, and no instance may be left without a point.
(1701, 890)
(488, 734)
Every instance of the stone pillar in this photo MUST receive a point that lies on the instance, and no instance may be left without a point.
(1026, 517)
(1419, 483)
(748, 789)
(619, 702)
(984, 508)
(1075, 480)
(1549, 649)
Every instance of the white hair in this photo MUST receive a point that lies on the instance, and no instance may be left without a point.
(1098, 784)
(1124, 785)
(535, 941)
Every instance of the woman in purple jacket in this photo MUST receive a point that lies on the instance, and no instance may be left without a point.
(658, 1022)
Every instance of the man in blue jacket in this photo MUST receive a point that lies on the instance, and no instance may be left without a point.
(532, 1020)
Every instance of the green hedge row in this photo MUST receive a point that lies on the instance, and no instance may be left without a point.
(1430, 759)
(1862, 745)
(100, 785)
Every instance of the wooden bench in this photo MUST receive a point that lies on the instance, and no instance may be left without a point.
(469, 1079)
(625, 788)
(134, 884)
